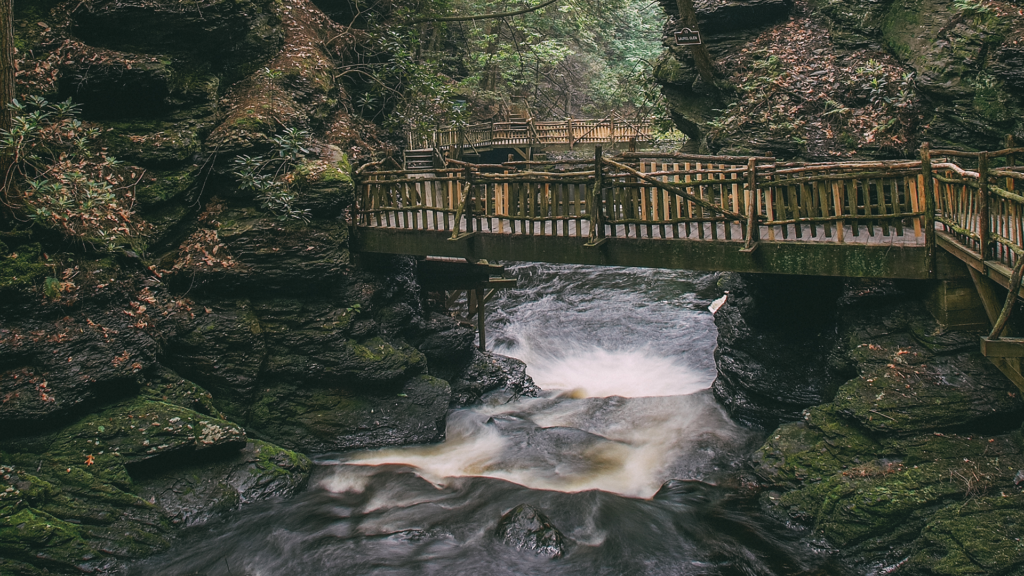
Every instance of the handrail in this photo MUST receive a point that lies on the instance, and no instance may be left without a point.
(704, 197)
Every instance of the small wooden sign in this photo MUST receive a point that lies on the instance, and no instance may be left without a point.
(687, 37)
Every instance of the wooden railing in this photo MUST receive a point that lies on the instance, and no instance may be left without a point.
(650, 195)
(978, 202)
(530, 133)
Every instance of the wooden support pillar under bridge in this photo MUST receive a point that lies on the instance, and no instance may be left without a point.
(451, 280)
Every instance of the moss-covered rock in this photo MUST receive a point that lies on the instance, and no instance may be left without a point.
(198, 491)
(332, 418)
(979, 536)
(23, 266)
(925, 429)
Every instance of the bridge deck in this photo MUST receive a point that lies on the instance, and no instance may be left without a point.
(867, 219)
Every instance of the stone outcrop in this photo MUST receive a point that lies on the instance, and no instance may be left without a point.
(912, 461)
(162, 384)
(776, 336)
(830, 78)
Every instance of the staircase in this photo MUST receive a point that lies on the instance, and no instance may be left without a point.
(419, 159)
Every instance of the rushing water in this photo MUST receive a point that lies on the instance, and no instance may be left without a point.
(625, 360)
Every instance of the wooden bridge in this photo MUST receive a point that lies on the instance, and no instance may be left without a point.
(522, 134)
(913, 219)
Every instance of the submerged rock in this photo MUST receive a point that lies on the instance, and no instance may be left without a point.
(487, 372)
(526, 528)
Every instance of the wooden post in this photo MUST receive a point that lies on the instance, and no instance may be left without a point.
(1011, 299)
(753, 230)
(468, 202)
(632, 144)
(929, 207)
(1011, 161)
(480, 319)
(984, 223)
(568, 124)
(594, 203)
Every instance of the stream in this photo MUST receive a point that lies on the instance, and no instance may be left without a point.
(625, 359)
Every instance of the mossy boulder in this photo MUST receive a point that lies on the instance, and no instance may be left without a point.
(226, 34)
(925, 428)
(167, 148)
(266, 254)
(320, 419)
(196, 492)
(980, 536)
(54, 365)
(223, 347)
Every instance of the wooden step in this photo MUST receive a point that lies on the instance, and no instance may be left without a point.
(419, 159)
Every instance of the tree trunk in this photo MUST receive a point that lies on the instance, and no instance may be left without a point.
(688, 18)
(6, 86)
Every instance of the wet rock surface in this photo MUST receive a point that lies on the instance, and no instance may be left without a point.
(776, 336)
(913, 462)
(528, 529)
(488, 372)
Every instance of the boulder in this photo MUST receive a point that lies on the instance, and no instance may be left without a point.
(526, 528)
(775, 338)
(487, 372)
(198, 492)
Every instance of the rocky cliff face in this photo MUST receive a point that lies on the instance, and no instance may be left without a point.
(906, 456)
(153, 387)
(820, 79)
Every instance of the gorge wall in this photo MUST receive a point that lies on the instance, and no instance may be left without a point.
(823, 79)
(154, 386)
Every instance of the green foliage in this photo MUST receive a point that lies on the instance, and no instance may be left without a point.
(64, 183)
(272, 178)
(972, 6)
(579, 58)
(21, 267)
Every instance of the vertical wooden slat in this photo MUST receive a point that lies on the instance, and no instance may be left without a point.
(851, 206)
(723, 197)
(821, 189)
(689, 204)
(794, 207)
(983, 209)
(897, 210)
(780, 209)
(648, 202)
(807, 204)
(737, 205)
(579, 198)
(838, 196)
(674, 205)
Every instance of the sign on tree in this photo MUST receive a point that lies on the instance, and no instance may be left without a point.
(688, 37)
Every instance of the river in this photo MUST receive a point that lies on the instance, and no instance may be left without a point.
(625, 359)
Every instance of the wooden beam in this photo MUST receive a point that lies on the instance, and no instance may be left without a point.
(995, 271)
(988, 296)
(1002, 347)
(801, 258)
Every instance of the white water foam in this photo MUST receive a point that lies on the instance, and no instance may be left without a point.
(592, 372)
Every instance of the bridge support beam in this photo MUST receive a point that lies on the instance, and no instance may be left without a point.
(801, 258)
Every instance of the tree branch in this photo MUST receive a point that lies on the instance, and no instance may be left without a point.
(481, 16)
